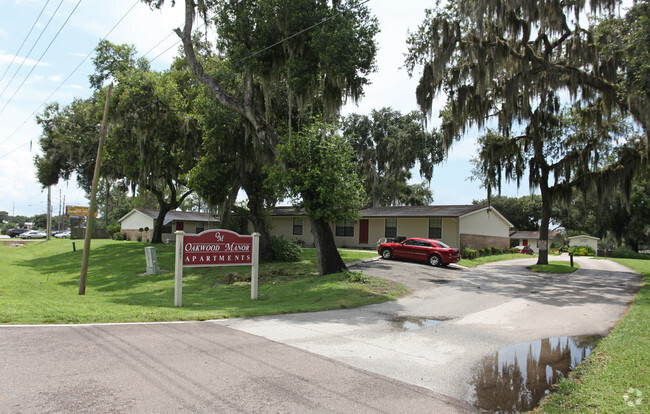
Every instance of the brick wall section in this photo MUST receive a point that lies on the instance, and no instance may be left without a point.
(474, 241)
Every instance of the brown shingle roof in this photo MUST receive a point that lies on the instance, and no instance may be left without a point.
(421, 211)
(400, 211)
(179, 215)
(532, 235)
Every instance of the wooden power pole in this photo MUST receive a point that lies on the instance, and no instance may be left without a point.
(93, 196)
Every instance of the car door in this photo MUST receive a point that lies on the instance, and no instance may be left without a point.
(421, 250)
(404, 250)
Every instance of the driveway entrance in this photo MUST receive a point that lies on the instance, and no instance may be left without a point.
(434, 337)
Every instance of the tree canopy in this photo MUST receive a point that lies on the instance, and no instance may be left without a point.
(318, 172)
(516, 65)
(380, 141)
(315, 54)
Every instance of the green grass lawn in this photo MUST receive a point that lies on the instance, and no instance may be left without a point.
(555, 267)
(39, 284)
(616, 377)
(493, 258)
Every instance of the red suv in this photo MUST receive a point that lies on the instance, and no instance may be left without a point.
(434, 252)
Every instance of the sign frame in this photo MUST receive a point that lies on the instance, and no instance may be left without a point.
(215, 247)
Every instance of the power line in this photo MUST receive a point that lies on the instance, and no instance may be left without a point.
(32, 48)
(41, 57)
(68, 77)
(24, 41)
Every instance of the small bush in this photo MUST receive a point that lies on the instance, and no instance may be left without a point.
(495, 250)
(485, 252)
(469, 254)
(513, 250)
(355, 277)
(119, 235)
(582, 251)
(284, 249)
(139, 237)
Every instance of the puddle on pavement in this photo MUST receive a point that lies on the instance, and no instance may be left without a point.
(517, 377)
(412, 323)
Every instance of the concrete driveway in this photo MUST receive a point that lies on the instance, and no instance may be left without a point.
(434, 337)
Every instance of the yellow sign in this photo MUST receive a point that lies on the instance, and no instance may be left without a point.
(79, 211)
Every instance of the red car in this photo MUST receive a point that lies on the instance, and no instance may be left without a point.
(434, 252)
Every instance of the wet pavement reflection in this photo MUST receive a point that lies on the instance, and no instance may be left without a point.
(411, 323)
(517, 377)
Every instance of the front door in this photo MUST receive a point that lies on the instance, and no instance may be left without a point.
(363, 231)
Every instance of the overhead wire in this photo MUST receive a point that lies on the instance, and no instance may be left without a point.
(32, 48)
(41, 57)
(68, 77)
(24, 41)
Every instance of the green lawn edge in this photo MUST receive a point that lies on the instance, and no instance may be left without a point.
(616, 376)
(39, 284)
(555, 267)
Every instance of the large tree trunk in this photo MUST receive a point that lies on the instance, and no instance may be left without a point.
(165, 207)
(329, 259)
(546, 218)
(158, 223)
(253, 184)
(261, 225)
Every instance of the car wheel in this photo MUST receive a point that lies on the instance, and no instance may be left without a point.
(386, 253)
(434, 260)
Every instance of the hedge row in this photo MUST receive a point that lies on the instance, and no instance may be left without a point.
(471, 254)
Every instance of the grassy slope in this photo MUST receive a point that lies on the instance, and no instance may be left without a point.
(619, 366)
(39, 284)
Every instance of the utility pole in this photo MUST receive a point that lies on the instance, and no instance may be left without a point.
(49, 212)
(93, 195)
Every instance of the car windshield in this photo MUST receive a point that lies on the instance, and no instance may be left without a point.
(441, 244)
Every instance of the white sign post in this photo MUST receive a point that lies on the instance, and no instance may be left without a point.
(178, 270)
(256, 264)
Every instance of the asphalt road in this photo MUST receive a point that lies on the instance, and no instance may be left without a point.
(411, 355)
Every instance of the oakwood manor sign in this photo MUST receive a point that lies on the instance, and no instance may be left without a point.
(217, 247)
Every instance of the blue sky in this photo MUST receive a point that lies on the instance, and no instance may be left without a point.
(92, 20)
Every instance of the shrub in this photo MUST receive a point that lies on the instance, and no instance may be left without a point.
(625, 253)
(582, 251)
(485, 252)
(284, 249)
(495, 250)
(120, 235)
(139, 237)
(513, 250)
(112, 230)
(469, 254)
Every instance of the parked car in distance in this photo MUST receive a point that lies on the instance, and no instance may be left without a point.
(63, 234)
(33, 234)
(16, 232)
(431, 251)
(525, 249)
